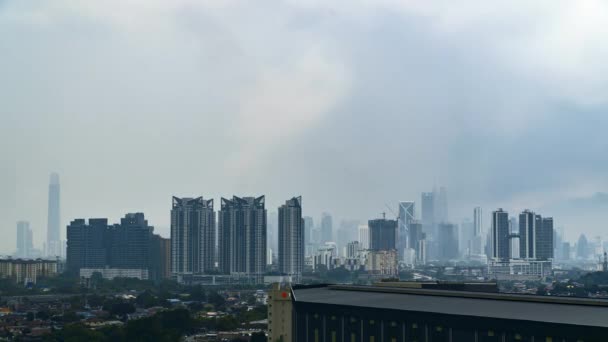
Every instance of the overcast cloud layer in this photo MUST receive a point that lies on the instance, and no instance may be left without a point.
(352, 105)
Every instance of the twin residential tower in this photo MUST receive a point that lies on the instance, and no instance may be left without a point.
(241, 237)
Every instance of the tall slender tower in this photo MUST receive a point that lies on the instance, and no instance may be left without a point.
(242, 236)
(53, 234)
(291, 237)
(192, 235)
(527, 234)
(24, 240)
(406, 216)
(500, 235)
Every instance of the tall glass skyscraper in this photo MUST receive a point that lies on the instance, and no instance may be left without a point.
(53, 235)
(406, 216)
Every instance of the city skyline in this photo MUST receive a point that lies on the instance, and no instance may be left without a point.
(273, 213)
(311, 104)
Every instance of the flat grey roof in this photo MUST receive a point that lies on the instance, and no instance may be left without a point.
(583, 312)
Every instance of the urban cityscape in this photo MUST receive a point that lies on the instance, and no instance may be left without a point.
(242, 248)
(303, 171)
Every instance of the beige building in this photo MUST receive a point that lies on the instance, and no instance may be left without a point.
(280, 310)
(26, 271)
(382, 263)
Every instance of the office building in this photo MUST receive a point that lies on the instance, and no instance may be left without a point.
(465, 237)
(582, 248)
(291, 238)
(544, 239)
(448, 241)
(428, 212)
(441, 205)
(382, 234)
(308, 227)
(364, 236)
(566, 252)
(417, 241)
(406, 216)
(53, 238)
(192, 235)
(25, 244)
(327, 233)
(500, 235)
(378, 313)
(242, 237)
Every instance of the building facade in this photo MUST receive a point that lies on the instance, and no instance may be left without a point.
(291, 238)
(500, 235)
(448, 241)
(327, 232)
(98, 245)
(27, 271)
(53, 237)
(25, 243)
(372, 313)
(242, 236)
(382, 234)
(192, 235)
(406, 216)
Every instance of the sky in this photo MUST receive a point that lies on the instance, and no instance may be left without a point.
(354, 105)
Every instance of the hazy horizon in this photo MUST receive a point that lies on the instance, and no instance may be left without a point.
(350, 105)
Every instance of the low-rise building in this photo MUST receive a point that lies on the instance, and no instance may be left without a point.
(27, 271)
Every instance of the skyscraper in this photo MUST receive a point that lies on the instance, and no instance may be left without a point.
(466, 237)
(441, 207)
(128, 243)
(417, 241)
(24, 240)
(528, 222)
(327, 233)
(192, 235)
(406, 216)
(53, 237)
(383, 234)
(308, 226)
(477, 222)
(544, 239)
(428, 211)
(448, 241)
(98, 245)
(86, 244)
(582, 248)
(364, 236)
(291, 237)
(500, 235)
(477, 243)
(242, 236)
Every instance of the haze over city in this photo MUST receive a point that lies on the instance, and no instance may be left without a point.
(352, 106)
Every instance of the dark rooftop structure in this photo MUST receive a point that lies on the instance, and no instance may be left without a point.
(400, 313)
